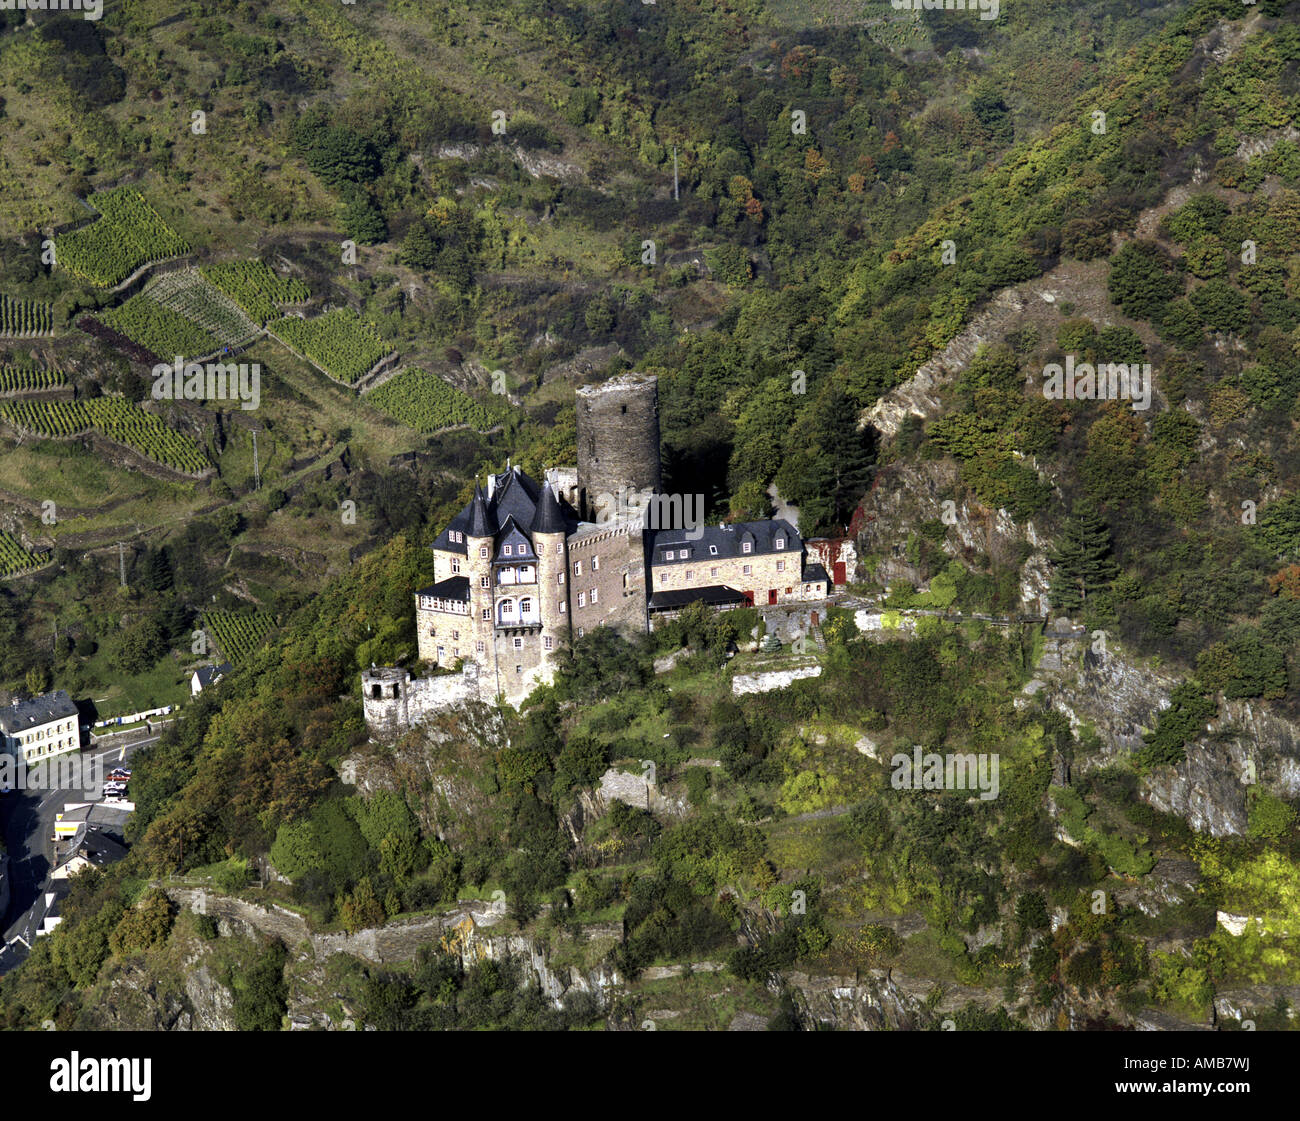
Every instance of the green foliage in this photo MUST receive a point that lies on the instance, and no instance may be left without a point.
(339, 342)
(1143, 279)
(260, 992)
(128, 234)
(1081, 559)
(425, 402)
(1185, 718)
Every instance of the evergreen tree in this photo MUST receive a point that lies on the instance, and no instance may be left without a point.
(362, 220)
(1082, 559)
(848, 449)
(419, 251)
(159, 575)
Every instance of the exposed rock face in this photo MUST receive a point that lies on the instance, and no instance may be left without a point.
(904, 497)
(919, 395)
(466, 931)
(439, 764)
(1120, 700)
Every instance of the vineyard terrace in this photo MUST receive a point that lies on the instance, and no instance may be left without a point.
(219, 382)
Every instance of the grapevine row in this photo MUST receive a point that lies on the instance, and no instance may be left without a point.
(128, 234)
(425, 402)
(237, 634)
(257, 288)
(19, 317)
(118, 420)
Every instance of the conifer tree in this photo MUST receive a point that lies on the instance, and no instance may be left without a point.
(1082, 559)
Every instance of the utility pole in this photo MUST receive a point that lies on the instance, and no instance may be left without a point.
(257, 471)
(676, 195)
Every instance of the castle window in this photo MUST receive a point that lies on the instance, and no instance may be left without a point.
(625, 582)
(593, 595)
(577, 568)
(548, 642)
(507, 607)
(780, 541)
(506, 551)
(455, 634)
(713, 571)
(525, 607)
(377, 691)
(595, 564)
(582, 599)
(746, 547)
(748, 569)
(455, 651)
(482, 551)
(559, 548)
(487, 613)
(484, 582)
(519, 669)
(780, 566)
(559, 578)
(668, 555)
(689, 574)
(479, 647)
(713, 550)
(519, 644)
(564, 607)
(579, 632)
(455, 566)
(684, 554)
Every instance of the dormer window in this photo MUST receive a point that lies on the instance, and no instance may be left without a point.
(746, 547)
(713, 550)
(669, 555)
(780, 542)
(506, 550)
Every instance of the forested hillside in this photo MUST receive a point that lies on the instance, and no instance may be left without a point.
(851, 246)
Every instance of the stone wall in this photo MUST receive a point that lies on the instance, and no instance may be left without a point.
(403, 702)
(619, 578)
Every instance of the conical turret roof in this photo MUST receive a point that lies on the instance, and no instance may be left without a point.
(481, 521)
(549, 517)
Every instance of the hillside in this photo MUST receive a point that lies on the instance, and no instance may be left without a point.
(853, 248)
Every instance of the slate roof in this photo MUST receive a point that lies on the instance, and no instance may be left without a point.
(813, 572)
(714, 595)
(40, 710)
(209, 674)
(727, 539)
(454, 587)
(534, 508)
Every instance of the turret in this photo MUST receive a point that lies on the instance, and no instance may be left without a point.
(549, 530)
(479, 541)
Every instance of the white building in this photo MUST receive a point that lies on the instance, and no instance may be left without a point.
(37, 729)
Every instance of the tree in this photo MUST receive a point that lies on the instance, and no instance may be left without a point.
(1082, 559)
(849, 449)
(37, 680)
(1143, 280)
(141, 645)
(419, 251)
(362, 220)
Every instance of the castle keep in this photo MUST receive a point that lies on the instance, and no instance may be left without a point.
(528, 565)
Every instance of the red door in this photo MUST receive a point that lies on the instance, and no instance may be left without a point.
(771, 595)
(838, 573)
(814, 619)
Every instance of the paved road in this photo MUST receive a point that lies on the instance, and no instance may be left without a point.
(27, 820)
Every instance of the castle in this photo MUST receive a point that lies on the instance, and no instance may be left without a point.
(526, 566)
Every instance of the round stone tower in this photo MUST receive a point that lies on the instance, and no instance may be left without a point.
(618, 441)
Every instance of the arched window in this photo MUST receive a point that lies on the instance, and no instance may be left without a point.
(525, 607)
